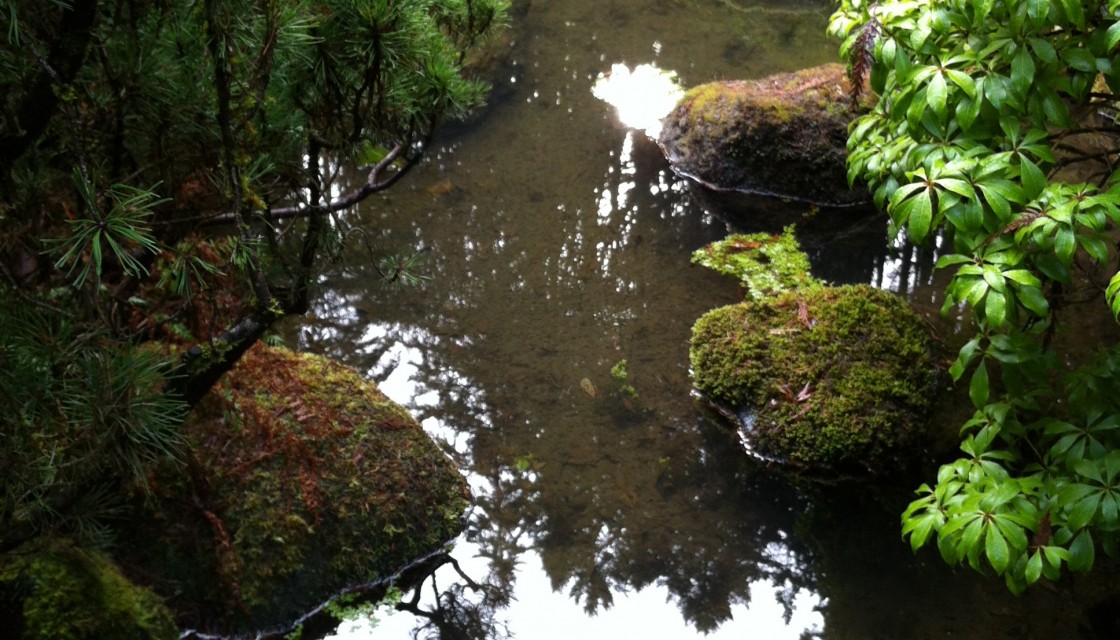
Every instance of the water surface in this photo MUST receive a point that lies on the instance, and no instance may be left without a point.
(557, 245)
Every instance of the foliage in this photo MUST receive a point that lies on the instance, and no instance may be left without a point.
(993, 135)
(826, 378)
(171, 176)
(62, 592)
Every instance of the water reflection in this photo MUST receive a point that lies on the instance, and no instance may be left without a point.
(642, 96)
(557, 244)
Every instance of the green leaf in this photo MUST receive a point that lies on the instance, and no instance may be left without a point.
(1022, 70)
(1034, 181)
(1034, 568)
(1082, 512)
(1080, 59)
(978, 386)
(995, 547)
(1023, 277)
(1081, 552)
(1112, 36)
(995, 309)
(936, 94)
(994, 277)
(1032, 298)
(1111, 294)
(1044, 50)
(1065, 243)
(967, 110)
(919, 213)
(1094, 246)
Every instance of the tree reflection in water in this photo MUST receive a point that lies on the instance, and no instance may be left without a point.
(455, 616)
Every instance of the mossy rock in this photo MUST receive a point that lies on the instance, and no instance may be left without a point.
(303, 479)
(837, 379)
(764, 264)
(53, 590)
(784, 135)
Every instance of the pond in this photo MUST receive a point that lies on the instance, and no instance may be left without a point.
(556, 244)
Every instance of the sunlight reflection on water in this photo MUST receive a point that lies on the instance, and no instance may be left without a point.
(642, 97)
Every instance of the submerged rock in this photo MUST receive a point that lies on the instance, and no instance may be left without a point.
(784, 135)
(303, 479)
(828, 378)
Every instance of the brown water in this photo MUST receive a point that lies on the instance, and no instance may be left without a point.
(558, 243)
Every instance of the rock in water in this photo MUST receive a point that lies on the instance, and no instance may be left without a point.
(784, 135)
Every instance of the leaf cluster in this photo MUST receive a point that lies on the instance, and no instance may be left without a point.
(973, 142)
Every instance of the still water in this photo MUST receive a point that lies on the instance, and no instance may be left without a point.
(557, 243)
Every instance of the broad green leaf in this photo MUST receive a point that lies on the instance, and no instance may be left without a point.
(1080, 59)
(967, 110)
(976, 292)
(1034, 181)
(1109, 510)
(956, 185)
(951, 259)
(1081, 552)
(936, 94)
(995, 309)
(994, 277)
(1082, 512)
(978, 386)
(1032, 298)
(964, 81)
(1088, 469)
(1094, 246)
(1052, 268)
(1111, 293)
(1074, 12)
(1023, 277)
(1034, 568)
(1112, 36)
(1022, 69)
(1044, 50)
(1065, 243)
(995, 547)
(919, 212)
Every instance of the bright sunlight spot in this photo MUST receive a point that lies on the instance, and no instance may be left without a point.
(642, 97)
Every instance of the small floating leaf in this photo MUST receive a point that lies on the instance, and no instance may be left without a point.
(588, 388)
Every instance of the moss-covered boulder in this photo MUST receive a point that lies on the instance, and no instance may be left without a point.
(302, 479)
(784, 135)
(835, 379)
(53, 590)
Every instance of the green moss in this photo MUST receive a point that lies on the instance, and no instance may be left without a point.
(830, 377)
(324, 483)
(622, 376)
(763, 264)
(54, 590)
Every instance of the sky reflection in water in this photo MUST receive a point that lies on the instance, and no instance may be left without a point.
(558, 242)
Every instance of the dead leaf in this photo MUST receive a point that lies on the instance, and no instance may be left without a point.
(588, 388)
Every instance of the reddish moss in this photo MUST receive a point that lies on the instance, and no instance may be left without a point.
(303, 479)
